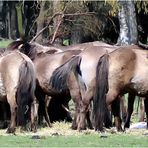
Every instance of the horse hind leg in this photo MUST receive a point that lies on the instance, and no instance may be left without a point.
(89, 123)
(116, 112)
(83, 115)
(13, 109)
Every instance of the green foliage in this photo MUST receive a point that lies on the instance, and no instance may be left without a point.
(66, 42)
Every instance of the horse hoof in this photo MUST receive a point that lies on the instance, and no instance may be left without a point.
(10, 130)
(81, 129)
(120, 130)
(74, 126)
(126, 126)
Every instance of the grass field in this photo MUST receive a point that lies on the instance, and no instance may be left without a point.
(75, 141)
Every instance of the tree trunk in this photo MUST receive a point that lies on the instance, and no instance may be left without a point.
(57, 21)
(128, 24)
(31, 12)
(76, 34)
(13, 32)
(40, 22)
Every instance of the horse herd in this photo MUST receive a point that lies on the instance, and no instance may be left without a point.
(39, 82)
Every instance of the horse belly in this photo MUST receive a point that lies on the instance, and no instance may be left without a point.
(140, 85)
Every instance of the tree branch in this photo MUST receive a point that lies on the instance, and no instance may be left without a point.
(63, 15)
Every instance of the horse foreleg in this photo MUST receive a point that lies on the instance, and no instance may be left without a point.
(142, 110)
(74, 122)
(131, 99)
(123, 108)
(146, 109)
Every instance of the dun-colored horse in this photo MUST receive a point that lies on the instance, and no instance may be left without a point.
(123, 70)
(17, 86)
(45, 64)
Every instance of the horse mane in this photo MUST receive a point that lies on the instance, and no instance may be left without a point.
(29, 50)
(15, 44)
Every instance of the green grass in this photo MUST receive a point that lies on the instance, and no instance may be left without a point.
(75, 141)
(4, 43)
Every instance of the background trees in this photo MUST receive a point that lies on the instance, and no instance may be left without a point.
(71, 22)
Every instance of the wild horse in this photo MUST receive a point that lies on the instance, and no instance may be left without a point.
(17, 86)
(78, 75)
(123, 70)
(45, 64)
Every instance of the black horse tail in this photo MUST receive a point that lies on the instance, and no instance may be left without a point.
(60, 76)
(25, 91)
(100, 107)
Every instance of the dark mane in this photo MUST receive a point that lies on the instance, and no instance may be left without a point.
(15, 44)
(29, 50)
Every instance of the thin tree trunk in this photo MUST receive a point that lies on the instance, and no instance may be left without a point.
(132, 23)
(40, 22)
(13, 20)
(57, 21)
(128, 24)
(76, 34)
(124, 32)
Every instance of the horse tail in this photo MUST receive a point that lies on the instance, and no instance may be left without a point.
(100, 107)
(60, 76)
(25, 91)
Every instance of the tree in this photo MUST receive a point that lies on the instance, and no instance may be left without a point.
(128, 24)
